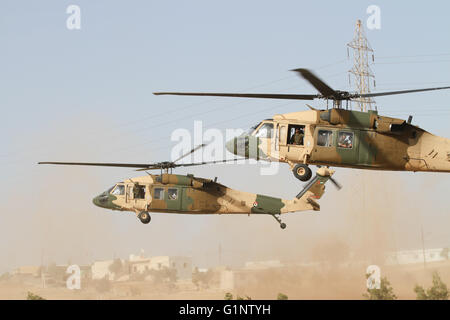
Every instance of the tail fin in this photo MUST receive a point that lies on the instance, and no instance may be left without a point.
(317, 185)
(312, 191)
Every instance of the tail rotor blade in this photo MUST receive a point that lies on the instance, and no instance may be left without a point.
(336, 184)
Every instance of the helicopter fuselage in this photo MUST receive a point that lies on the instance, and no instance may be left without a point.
(344, 138)
(173, 193)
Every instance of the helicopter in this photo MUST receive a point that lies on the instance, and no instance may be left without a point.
(338, 136)
(173, 193)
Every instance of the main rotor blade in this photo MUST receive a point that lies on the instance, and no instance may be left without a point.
(188, 153)
(244, 95)
(123, 165)
(317, 83)
(368, 95)
(175, 165)
(207, 162)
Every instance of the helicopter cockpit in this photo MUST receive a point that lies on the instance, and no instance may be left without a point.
(249, 142)
(264, 131)
(106, 198)
(118, 190)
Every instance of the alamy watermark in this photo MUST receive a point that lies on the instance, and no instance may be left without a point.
(245, 147)
(373, 277)
(73, 282)
(374, 20)
(73, 22)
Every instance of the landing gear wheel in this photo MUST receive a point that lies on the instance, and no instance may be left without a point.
(282, 224)
(302, 172)
(144, 217)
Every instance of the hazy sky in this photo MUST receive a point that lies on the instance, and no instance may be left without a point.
(86, 95)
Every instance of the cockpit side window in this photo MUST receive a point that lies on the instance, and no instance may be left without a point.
(265, 131)
(118, 190)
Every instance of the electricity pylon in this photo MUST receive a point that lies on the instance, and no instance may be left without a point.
(361, 71)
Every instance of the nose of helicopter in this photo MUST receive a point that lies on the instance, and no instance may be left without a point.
(230, 145)
(238, 145)
(103, 201)
(96, 201)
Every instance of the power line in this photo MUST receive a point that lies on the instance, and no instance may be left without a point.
(407, 62)
(414, 56)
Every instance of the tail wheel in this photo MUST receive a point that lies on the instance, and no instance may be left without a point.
(144, 217)
(302, 172)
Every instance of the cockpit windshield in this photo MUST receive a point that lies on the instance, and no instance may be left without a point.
(252, 129)
(118, 190)
(265, 131)
(104, 193)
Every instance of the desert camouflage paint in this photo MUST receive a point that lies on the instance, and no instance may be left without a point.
(174, 193)
(345, 138)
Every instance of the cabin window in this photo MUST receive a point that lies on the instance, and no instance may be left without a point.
(119, 190)
(265, 131)
(325, 138)
(345, 140)
(173, 194)
(139, 192)
(158, 194)
(296, 135)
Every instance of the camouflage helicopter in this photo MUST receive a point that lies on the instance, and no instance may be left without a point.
(173, 193)
(338, 136)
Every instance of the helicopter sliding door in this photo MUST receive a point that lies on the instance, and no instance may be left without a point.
(166, 198)
(324, 150)
(174, 196)
(158, 194)
(347, 146)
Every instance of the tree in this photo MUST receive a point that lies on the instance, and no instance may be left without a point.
(229, 296)
(32, 296)
(163, 275)
(202, 278)
(282, 296)
(5, 276)
(116, 267)
(385, 292)
(438, 291)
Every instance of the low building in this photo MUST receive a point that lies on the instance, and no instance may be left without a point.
(259, 265)
(100, 270)
(417, 256)
(34, 271)
(182, 265)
